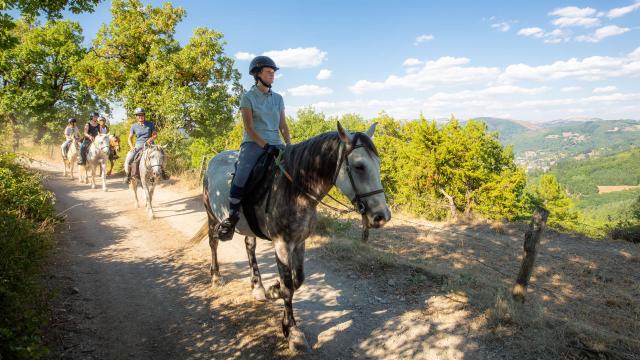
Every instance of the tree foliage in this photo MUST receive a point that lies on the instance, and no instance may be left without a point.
(136, 60)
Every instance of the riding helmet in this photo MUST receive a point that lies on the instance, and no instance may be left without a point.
(259, 62)
(139, 111)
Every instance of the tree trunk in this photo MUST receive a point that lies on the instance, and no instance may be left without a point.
(452, 204)
(468, 204)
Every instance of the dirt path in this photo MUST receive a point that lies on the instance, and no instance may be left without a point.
(128, 287)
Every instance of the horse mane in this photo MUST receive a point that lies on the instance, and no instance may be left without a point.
(313, 163)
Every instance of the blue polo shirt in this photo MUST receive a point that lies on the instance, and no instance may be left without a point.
(266, 109)
(142, 132)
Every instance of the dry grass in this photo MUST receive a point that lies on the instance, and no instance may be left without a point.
(583, 301)
(608, 189)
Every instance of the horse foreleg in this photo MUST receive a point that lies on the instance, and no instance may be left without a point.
(295, 336)
(257, 289)
(148, 194)
(64, 162)
(133, 184)
(93, 177)
(103, 168)
(110, 167)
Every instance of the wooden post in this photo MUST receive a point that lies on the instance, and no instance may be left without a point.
(531, 240)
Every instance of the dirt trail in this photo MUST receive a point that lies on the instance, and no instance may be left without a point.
(128, 287)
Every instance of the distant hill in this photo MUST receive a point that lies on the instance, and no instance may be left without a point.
(583, 177)
(579, 137)
(507, 128)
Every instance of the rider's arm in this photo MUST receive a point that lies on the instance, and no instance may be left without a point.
(284, 128)
(247, 119)
(130, 140)
(154, 135)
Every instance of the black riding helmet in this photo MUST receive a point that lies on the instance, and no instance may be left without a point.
(71, 120)
(260, 62)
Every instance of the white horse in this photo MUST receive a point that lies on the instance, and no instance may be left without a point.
(71, 157)
(97, 156)
(152, 163)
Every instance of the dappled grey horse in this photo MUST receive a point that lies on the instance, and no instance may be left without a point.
(71, 157)
(288, 214)
(152, 163)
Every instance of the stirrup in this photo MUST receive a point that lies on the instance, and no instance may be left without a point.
(227, 227)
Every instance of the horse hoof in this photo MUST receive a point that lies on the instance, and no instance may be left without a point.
(297, 341)
(274, 291)
(259, 294)
(93, 186)
(150, 216)
(217, 281)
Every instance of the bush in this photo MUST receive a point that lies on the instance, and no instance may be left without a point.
(26, 226)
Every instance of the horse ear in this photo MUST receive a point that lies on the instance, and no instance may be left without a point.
(344, 134)
(372, 130)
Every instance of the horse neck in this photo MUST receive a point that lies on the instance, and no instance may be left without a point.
(313, 164)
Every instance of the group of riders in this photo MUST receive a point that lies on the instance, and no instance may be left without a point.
(143, 130)
(263, 115)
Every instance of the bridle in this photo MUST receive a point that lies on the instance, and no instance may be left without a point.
(359, 205)
(146, 158)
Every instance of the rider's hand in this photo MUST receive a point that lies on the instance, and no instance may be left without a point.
(271, 149)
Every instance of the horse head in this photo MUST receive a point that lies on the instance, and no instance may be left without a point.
(359, 176)
(101, 143)
(155, 159)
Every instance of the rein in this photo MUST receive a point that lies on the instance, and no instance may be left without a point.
(359, 205)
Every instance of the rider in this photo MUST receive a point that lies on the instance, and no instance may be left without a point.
(145, 133)
(263, 115)
(70, 132)
(91, 130)
(104, 129)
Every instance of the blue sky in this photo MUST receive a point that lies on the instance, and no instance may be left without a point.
(533, 61)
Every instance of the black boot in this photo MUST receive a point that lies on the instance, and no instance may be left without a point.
(228, 225)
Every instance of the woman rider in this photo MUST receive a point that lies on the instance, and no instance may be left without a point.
(91, 130)
(102, 122)
(263, 116)
(70, 132)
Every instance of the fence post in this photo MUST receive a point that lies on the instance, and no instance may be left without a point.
(531, 240)
(201, 172)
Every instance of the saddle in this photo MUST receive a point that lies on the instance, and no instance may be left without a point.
(257, 188)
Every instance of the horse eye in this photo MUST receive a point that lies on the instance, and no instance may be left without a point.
(359, 167)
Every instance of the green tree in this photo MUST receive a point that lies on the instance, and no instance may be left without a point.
(555, 199)
(30, 9)
(136, 60)
(38, 89)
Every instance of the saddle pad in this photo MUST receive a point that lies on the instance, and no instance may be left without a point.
(257, 188)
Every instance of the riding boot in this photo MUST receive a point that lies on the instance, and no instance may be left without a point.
(228, 225)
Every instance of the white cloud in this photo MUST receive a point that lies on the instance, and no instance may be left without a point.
(570, 21)
(572, 11)
(423, 38)
(412, 62)
(552, 37)
(443, 71)
(324, 74)
(574, 16)
(603, 32)
(244, 56)
(571, 88)
(604, 89)
(590, 69)
(298, 57)
(502, 26)
(532, 32)
(309, 90)
(621, 11)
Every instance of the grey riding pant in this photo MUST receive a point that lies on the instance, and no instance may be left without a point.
(250, 152)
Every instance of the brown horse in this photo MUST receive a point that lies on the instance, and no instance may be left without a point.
(114, 149)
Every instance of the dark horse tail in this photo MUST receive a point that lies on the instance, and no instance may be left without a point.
(204, 229)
